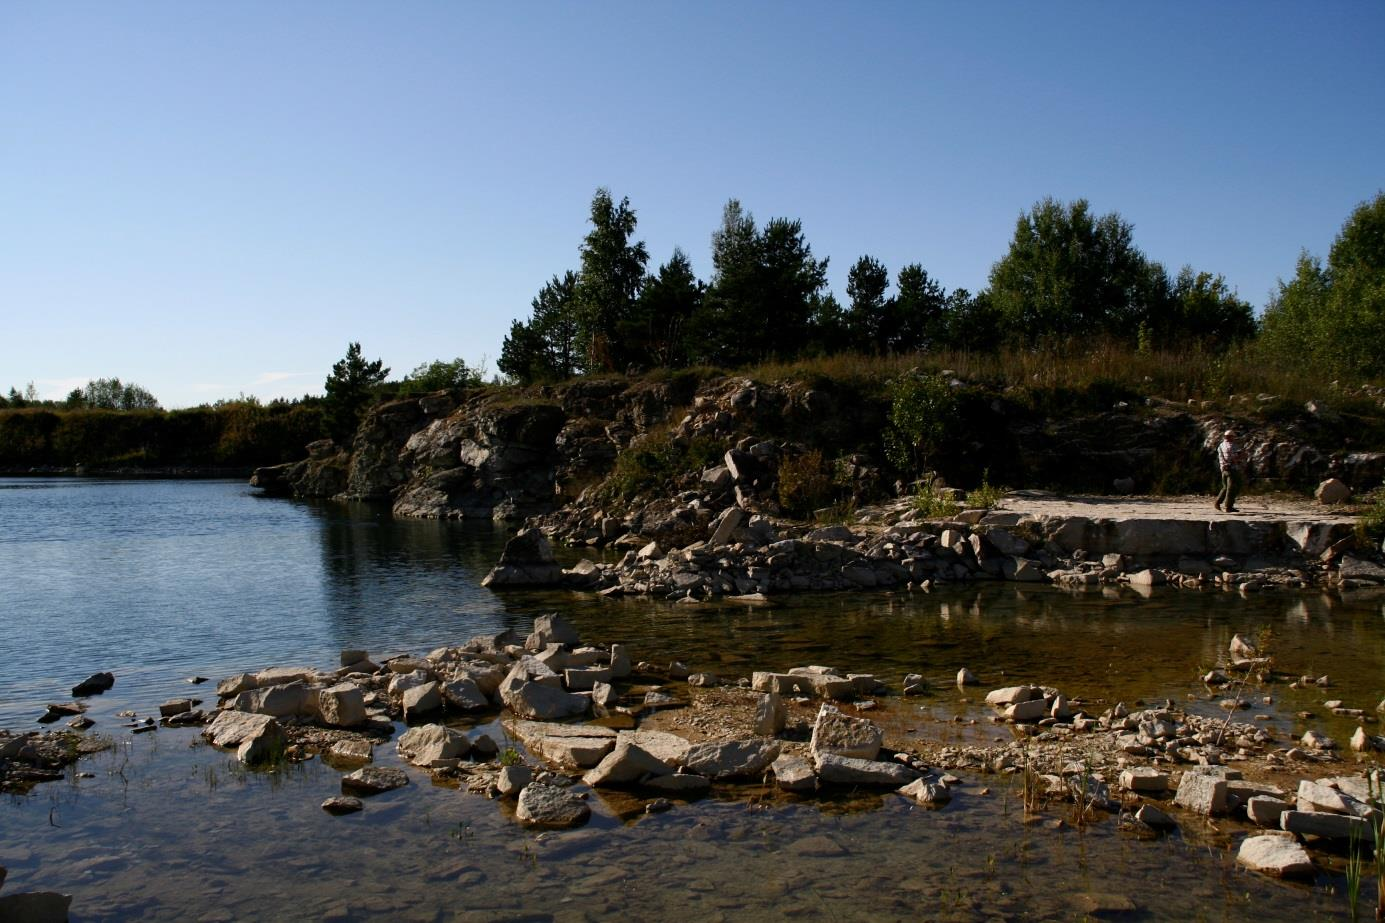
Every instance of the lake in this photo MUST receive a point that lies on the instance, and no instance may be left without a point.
(159, 580)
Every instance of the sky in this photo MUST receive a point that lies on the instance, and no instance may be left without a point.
(213, 199)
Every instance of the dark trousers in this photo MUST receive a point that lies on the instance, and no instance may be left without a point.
(1231, 482)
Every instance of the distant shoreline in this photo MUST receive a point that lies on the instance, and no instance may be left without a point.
(164, 472)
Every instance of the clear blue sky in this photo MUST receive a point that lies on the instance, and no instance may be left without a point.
(214, 198)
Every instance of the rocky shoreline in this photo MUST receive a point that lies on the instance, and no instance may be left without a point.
(581, 719)
(691, 481)
(890, 547)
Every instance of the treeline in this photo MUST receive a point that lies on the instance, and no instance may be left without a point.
(1068, 275)
(107, 424)
(236, 434)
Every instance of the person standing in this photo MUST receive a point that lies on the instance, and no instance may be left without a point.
(1231, 460)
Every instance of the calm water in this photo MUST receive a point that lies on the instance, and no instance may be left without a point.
(159, 580)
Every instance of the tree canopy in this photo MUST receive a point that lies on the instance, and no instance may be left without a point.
(350, 390)
(1333, 316)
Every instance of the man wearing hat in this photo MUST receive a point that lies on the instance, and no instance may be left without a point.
(1232, 461)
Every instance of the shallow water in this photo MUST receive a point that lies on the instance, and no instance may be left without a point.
(158, 580)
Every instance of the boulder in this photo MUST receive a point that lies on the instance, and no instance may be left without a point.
(620, 661)
(373, 780)
(1330, 826)
(342, 804)
(35, 907)
(527, 561)
(794, 774)
(1144, 779)
(770, 715)
(1320, 796)
(536, 700)
(1332, 491)
(585, 679)
(1201, 793)
(626, 764)
(1032, 710)
(1154, 818)
(731, 759)
(549, 806)
(262, 745)
(342, 705)
(967, 678)
(725, 525)
(842, 735)
(230, 728)
(512, 779)
(1010, 695)
(464, 695)
(1265, 810)
(282, 676)
(352, 750)
(235, 685)
(422, 700)
(551, 629)
(845, 770)
(287, 700)
(930, 794)
(175, 707)
(670, 749)
(433, 746)
(1279, 856)
(1316, 740)
(95, 684)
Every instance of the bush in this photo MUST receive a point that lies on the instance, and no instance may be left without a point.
(1370, 527)
(924, 415)
(656, 460)
(804, 484)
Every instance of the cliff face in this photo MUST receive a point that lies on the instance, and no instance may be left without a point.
(606, 453)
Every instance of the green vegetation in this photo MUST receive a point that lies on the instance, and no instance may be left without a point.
(1370, 526)
(350, 389)
(242, 433)
(924, 415)
(438, 375)
(1332, 318)
(804, 483)
(987, 496)
(653, 460)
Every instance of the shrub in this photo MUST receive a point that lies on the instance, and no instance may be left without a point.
(924, 415)
(988, 495)
(804, 484)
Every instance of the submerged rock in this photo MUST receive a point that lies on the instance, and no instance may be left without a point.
(549, 806)
(373, 780)
(95, 684)
(342, 804)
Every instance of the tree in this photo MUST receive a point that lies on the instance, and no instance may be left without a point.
(1333, 316)
(867, 322)
(613, 270)
(1203, 311)
(656, 334)
(439, 375)
(765, 294)
(1068, 271)
(350, 388)
(917, 318)
(111, 394)
(546, 347)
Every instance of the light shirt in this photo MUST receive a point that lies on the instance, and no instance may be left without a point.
(1229, 456)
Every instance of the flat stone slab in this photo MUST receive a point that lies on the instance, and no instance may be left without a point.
(1279, 856)
(373, 780)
